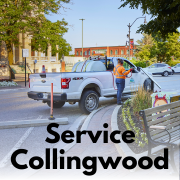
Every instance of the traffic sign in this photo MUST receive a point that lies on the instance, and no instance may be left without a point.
(25, 53)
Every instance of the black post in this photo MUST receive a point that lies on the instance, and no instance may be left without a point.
(25, 71)
(34, 67)
(106, 61)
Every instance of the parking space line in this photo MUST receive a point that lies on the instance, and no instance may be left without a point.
(17, 146)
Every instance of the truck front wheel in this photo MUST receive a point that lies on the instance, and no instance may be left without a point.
(148, 85)
(89, 101)
(56, 104)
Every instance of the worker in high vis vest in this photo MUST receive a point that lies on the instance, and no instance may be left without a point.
(120, 73)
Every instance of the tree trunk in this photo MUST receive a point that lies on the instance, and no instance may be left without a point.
(10, 52)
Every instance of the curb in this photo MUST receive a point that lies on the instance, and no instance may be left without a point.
(88, 119)
(122, 148)
(32, 123)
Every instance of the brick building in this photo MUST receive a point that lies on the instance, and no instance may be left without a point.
(112, 51)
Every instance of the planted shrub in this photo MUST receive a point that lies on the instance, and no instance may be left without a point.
(142, 100)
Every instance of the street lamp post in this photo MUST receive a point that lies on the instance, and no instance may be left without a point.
(130, 31)
(82, 35)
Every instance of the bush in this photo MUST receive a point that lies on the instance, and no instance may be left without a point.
(173, 63)
(142, 100)
(141, 63)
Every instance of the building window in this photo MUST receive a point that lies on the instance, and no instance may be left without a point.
(81, 53)
(111, 52)
(77, 53)
(89, 52)
(122, 51)
(127, 52)
(85, 53)
(116, 52)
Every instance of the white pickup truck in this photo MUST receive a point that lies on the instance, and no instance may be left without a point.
(85, 85)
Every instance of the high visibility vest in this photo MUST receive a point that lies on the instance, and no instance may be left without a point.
(116, 70)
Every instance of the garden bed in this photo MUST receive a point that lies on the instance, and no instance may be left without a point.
(128, 119)
(139, 145)
(6, 83)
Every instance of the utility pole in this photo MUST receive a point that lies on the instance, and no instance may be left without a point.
(129, 41)
(82, 35)
(130, 31)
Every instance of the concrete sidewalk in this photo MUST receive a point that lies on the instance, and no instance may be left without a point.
(87, 148)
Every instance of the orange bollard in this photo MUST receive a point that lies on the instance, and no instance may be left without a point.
(51, 110)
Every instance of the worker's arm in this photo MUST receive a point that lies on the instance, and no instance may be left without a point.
(124, 72)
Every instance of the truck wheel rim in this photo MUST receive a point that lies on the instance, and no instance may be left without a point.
(90, 102)
(148, 87)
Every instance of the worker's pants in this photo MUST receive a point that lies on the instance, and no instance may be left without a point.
(120, 86)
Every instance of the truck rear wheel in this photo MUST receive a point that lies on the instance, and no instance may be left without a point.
(89, 101)
(56, 104)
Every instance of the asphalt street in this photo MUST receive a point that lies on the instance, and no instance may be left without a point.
(15, 106)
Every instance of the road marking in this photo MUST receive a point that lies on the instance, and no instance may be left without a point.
(17, 146)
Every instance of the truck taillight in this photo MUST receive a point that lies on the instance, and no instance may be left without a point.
(65, 83)
(169, 67)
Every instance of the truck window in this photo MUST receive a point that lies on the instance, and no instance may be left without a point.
(127, 66)
(110, 65)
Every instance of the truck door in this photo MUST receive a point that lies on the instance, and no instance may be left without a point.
(132, 79)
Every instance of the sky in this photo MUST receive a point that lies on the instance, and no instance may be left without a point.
(104, 24)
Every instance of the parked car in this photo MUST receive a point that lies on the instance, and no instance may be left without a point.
(159, 69)
(88, 81)
(176, 68)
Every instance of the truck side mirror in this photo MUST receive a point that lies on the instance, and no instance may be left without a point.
(138, 68)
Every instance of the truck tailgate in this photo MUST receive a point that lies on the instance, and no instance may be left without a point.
(42, 82)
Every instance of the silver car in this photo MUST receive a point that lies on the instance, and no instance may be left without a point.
(176, 68)
(159, 69)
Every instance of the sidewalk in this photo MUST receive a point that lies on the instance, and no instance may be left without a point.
(87, 148)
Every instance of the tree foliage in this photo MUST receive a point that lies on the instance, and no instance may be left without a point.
(28, 16)
(159, 49)
(165, 15)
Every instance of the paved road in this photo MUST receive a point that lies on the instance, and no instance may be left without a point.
(170, 83)
(15, 105)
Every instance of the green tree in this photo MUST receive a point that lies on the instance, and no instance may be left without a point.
(28, 16)
(164, 50)
(146, 40)
(145, 50)
(165, 15)
(63, 48)
(159, 49)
